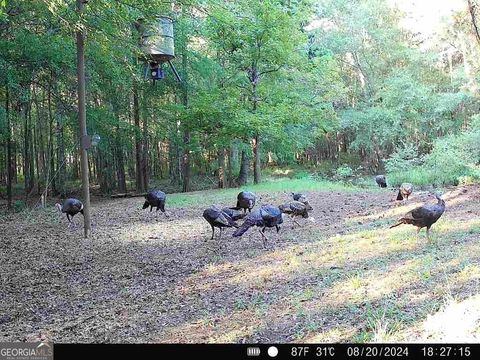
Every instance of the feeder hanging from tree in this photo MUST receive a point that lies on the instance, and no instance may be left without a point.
(157, 44)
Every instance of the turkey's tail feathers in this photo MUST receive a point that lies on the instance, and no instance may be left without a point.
(399, 196)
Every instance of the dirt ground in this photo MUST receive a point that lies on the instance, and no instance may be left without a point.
(145, 277)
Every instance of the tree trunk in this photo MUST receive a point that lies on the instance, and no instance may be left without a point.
(243, 176)
(254, 78)
(186, 163)
(9, 152)
(28, 165)
(230, 167)
(122, 184)
(62, 175)
(51, 155)
(256, 160)
(138, 143)
(145, 162)
(221, 168)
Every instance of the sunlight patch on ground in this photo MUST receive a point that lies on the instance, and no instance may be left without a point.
(458, 225)
(457, 321)
(396, 212)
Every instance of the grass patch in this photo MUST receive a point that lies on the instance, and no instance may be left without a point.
(228, 196)
(426, 178)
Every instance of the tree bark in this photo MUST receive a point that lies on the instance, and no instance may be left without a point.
(51, 154)
(9, 152)
(256, 160)
(186, 132)
(230, 167)
(28, 166)
(82, 119)
(138, 144)
(62, 174)
(243, 176)
(186, 163)
(254, 78)
(122, 184)
(221, 168)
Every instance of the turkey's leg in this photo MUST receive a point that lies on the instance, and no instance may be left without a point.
(73, 223)
(265, 239)
(428, 236)
(213, 233)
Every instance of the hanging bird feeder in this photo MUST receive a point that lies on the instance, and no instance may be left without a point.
(157, 45)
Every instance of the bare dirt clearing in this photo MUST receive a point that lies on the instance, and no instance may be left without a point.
(144, 277)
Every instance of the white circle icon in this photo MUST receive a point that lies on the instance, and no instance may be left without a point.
(272, 351)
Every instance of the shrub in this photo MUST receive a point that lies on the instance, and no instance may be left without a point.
(19, 205)
(455, 159)
(403, 159)
(344, 171)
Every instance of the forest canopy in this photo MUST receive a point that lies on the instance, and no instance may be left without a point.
(335, 87)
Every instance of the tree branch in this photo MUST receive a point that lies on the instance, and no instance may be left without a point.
(471, 10)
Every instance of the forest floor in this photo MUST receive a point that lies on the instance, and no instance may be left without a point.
(145, 277)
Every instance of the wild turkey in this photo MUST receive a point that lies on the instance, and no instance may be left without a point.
(405, 191)
(71, 207)
(217, 218)
(155, 199)
(246, 200)
(267, 216)
(381, 181)
(298, 196)
(302, 198)
(295, 209)
(424, 216)
(234, 213)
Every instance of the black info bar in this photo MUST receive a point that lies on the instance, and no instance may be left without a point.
(268, 351)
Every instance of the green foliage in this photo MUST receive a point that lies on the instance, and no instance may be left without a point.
(455, 159)
(403, 159)
(344, 171)
(320, 84)
(19, 205)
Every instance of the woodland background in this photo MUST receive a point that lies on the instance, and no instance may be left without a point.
(328, 88)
